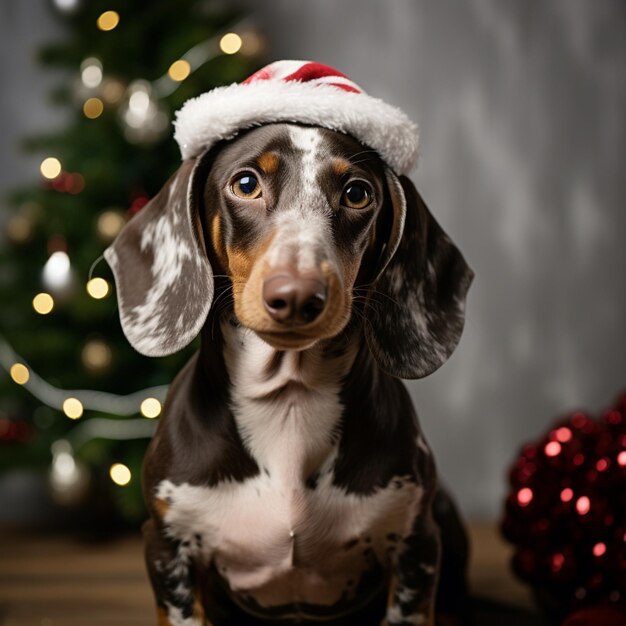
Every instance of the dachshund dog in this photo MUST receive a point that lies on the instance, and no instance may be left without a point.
(288, 480)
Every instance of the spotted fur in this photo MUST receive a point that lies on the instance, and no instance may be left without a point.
(288, 479)
(158, 263)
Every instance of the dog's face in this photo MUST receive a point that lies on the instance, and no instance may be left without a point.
(301, 223)
(290, 212)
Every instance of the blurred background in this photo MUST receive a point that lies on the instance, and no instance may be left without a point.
(523, 144)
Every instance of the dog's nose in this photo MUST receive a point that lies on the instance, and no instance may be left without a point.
(293, 299)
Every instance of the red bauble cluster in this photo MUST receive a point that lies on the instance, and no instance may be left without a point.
(566, 512)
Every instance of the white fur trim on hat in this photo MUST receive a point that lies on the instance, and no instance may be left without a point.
(221, 113)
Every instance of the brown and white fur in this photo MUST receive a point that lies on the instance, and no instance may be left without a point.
(288, 480)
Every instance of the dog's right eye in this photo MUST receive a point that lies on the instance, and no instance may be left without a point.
(246, 186)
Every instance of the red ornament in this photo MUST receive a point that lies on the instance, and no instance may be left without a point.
(597, 616)
(138, 199)
(15, 431)
(566, 516)
(138, 204)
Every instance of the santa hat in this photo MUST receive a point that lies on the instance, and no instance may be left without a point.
(298, 91)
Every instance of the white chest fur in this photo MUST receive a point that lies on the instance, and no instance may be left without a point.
(274, 539)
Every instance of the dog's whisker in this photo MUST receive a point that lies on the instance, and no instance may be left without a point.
(219, 304)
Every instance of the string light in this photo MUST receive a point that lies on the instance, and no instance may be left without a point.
(93, 108)
(120, 474)
(63, 463)
(98, 288)
(150, 408)
(50, 168)
(73, 408)
(109, 224)
(144, 116)
(230, 43)
(249, 43)
(91, 72)
(112, 91)
(96, 355)
(19, 228)
(92, 400)
(108, 20)
(179, 70)
(43, 303)
(69, 479)
(19, 373)
(67, 6)
(253, 44)
(139, 100)
(57, 270)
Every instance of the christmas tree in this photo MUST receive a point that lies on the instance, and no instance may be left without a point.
(78, 401)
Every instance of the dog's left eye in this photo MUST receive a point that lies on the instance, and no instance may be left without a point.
(246, 186)
(356, 196)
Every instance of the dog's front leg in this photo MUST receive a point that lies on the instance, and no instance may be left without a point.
(171, 574)
(414, 577)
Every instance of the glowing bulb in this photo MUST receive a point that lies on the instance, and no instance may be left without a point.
(43, 303)
(56, 271)
(150, 408)
(120, 474)
(567, 494)
(553, 448)
(91, 72)
(108, 20)
(179, 70)
(110, 223)
(19, 228)
(93, 108)
(96, 355)
(230, 43)
(602, 465)
(557, 561)
(112, 91)
(621, 458)
(599, 549)
(139, 102)
(73, 408)
(525, 496)
(253, 44)
(583, 504)
(64, 465)
(67, 5)
(50, 168)
(98, 288)
(563, 434)
(19, 373)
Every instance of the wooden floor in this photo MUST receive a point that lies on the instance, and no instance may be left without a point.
(56, 581)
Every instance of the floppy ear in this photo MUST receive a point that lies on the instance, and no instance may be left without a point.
(416, 306)
(163, 277)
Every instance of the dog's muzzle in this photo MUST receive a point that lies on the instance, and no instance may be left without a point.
(294, 299)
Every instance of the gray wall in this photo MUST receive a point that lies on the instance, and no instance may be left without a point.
(521, 106)
(24, 109)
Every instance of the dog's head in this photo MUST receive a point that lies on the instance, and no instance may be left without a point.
(309, 228)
